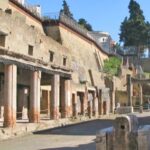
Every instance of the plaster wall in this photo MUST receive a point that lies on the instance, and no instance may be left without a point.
(28, 18)
(4, 4)
(20, 35)
(83, 54)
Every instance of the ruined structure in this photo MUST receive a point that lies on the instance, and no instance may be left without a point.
(50, 67)
(125, 135)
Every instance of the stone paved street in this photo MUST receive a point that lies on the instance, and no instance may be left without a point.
(80, 137)
(77, 137)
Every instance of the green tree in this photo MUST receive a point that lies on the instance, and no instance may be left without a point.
(112, 66)
(134, 30)
(85, 24)
(65, 10)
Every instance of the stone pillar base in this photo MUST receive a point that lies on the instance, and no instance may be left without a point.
(55, 114)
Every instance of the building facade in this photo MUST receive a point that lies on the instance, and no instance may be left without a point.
(48, 67)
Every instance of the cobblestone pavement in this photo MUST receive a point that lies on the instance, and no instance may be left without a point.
(76, 137)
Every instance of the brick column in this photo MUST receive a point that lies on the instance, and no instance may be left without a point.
(84, 105)
(90, 109)
(141, 98)
(112, 102)
(34, 116)
(100, 104)
(66, 98)
(55, 97)
(74, 109)
(112, 96)
(10, 90)
(129, 90)
(2, 98)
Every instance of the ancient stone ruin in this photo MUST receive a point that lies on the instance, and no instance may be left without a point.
(126, 134)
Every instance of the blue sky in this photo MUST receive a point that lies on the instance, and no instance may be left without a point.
(103, 15)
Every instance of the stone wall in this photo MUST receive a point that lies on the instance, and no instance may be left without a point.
(121, 97)
(125, 135)
(19, 32)
(86, 57)
(145, 64)
(4, 4)
(24, 15)
(82, 53)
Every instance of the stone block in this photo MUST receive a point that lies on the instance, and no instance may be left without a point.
(144, 137)
(124, 110)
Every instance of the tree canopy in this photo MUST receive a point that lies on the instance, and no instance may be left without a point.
(65, 10)
(112, 66)
(85, 24)
(134, 30)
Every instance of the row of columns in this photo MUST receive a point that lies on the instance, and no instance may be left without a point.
(88, 107)
(10, 96)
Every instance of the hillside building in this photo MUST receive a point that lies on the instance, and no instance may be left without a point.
(50, 67)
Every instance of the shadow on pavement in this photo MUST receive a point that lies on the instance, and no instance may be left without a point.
(82, 129)
(144, 120)
(90, 146)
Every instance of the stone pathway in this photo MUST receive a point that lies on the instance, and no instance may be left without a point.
(76, 137)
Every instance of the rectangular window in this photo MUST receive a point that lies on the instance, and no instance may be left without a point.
(2, 40)
(30, 50)
(51, 56)
(64, 61)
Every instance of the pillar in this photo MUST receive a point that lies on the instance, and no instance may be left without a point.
(74, 105)
(90, 109)
(10, 90)
(100, 104)
(55, 96)
(141, 98)
(95, 104)
(112, 96)
(1, 97)
(84, 105)
(34, 116)
(65, 98)
(129, 90)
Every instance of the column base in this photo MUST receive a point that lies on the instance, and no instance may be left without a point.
(9, 123)
(55, 114)
(34, 118)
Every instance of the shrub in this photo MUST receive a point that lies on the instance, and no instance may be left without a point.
(112, 66)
